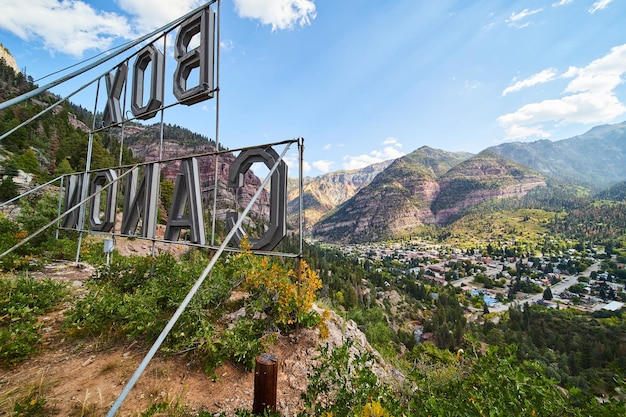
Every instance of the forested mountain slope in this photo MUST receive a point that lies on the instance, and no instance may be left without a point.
(596, 159)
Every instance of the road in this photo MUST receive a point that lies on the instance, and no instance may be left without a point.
(557, 288)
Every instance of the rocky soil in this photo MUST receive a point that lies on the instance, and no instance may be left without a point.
(85, 377)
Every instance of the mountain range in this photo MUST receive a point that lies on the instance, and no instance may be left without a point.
(427, 187)
(435, 187)
(595, 160)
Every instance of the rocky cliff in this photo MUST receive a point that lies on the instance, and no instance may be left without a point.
(326, 192)
(428, 186)
(144, 143)
(8, 58)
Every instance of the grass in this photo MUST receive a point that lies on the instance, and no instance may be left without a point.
(524, 225)
(28, 399)
(23, 300)
(84, 407)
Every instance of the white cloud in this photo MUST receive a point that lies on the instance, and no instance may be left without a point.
(330, 146)
(392, 141)
(589, 99)
(148, 15)
(515, 19)
(227, 45)
(292, 162)
(603, 74)
(561, 3)
(281, 14)
(323, 165)
(70, 27)
(363, 160)
(539, 78)
(571, 72)
(599, 5)
(73, 26)
(517, 131)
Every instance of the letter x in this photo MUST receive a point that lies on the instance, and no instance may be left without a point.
(115, 83)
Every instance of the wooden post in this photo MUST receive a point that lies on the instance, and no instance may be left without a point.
(265, 378)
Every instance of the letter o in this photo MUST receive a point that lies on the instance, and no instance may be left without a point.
(277, 228)
(99, 181)
(148, 55)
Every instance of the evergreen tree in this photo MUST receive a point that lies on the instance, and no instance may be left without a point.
(547, 294)
(63, 168)
(8, 189)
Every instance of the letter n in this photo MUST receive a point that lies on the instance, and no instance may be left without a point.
(140, 203)
(186, 210)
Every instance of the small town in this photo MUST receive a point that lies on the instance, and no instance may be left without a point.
(571, 280)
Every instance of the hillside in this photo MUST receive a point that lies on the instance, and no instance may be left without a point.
(483, 177)
(616, 193)
(324, 193)
(86, 376)
(8, 58)
(596, 159)
(427, 186)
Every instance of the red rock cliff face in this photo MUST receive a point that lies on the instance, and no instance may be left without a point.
(410, 194)
(372, 214)
(328, 191)
(227, 198)
(480, 196)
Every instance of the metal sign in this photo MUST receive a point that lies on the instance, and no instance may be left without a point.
(100, 191)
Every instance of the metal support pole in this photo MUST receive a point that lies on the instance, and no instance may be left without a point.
(301, 194)
(56, 233)
(85, 191)
(217, 125)
(181, 308)
(161, 140)
(300, 226)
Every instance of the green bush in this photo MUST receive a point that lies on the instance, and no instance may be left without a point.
(22, 300)
(135, 297)
(343, 384)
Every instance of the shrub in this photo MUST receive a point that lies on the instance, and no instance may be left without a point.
(135, 298)
(343, 384)
(23, 299)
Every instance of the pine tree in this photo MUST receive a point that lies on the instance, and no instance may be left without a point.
(547, 294)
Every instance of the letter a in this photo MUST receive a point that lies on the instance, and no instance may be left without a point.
(186, 196)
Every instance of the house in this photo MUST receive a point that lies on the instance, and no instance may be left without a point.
(547, 303)
(613, 306)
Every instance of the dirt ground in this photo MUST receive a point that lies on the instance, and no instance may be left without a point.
(85, 378)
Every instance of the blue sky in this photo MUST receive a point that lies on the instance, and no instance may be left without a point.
(363, 81)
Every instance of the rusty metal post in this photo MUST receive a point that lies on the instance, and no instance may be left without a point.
(265, 381)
